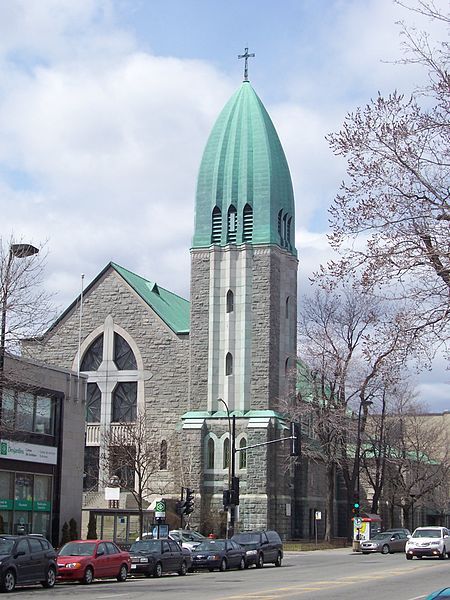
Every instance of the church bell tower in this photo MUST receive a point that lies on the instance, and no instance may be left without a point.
(243, 312)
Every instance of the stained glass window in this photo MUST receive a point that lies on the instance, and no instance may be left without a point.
(243, 454)
(123, 354)
(124, 402)
(94, 355)
(93, 403)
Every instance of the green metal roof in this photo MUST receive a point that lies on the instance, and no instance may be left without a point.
(244, 163)
(172, 309)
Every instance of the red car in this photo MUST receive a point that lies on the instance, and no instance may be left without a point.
(86, 560)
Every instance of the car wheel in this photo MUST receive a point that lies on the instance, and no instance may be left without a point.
(183, 568)
(88, 576)
(50, 579)
(8, 582)
(223, 565)
(260, 561)
(123, 573)
(385, 549)
(157, 571)
(408, 557)
(242, 564)
(278, 560)
(443, 556)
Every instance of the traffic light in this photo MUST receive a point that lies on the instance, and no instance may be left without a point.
(180, 507)
(235, 491)
(356, 506)
(226, 498)
(295, 439)
(189, 501)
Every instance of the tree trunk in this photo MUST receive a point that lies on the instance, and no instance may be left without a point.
(329, 523)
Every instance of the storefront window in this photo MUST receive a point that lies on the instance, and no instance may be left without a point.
(44, 415)
(41, 523)
(22, 522)
(5, 521)
(25, 411)
(23, 493)
(8, 407)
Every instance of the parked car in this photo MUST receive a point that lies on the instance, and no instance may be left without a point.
(385, 542)
(438, 594)
(398, 529)
(428, 541)
(158, 556)
(218, 554)
(261, 547)
(86, 560)
(187, 538)
(26, 559)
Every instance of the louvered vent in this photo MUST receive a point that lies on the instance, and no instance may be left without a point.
(232, 225)
(216, 232)
(280, 230)
(248, 224)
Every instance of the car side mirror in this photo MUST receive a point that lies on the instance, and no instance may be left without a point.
(100, 553)
(393, 538)
(20, 553)
(408, 536)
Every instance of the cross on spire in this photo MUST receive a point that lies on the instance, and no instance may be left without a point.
(246, 55)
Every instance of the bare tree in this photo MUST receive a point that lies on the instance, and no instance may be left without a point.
(25, 309)
(391, 219)
(134, 457)
(352, 345)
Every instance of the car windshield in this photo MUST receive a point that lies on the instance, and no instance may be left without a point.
(78, 549)
(146, 546)
(246, 538)
(427, 533)
(382, 536)
(191, 536)
(211, 545)
(6, 546)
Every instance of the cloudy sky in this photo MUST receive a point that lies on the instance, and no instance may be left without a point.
(106, 105)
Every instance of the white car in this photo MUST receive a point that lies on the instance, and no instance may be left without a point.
(187, 538)
(428, 541)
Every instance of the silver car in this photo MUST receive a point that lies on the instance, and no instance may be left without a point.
(429, 541)
(187, 538)
(385, 542)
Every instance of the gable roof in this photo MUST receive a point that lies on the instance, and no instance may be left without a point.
(171, 308)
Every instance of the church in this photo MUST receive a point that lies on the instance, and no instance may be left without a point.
(187, 367)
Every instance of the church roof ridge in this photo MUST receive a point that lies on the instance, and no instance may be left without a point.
(172, 308)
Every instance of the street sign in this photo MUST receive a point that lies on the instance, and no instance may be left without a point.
(318, 515)
(358, 522)
(160, 509)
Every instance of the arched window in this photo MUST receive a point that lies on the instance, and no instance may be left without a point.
(210, 454)
(280, 228)
(247, 233)
(123, 354)
(94, 355)
(163, 456)
(286, 367)
(230, 301)
(216, 229)
(232, 225)
(243, 454)
(226, 453)
(229, 364)
(93, 403)
(287, 308)
(124, 402)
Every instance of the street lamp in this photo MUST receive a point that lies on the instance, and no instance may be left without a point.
(15, 251)
(231, 466)
(412, 495)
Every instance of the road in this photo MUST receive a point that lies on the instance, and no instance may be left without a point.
(337, 574)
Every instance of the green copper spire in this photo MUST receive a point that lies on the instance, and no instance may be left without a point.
(244, 189)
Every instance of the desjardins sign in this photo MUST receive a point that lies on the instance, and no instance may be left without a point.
(28, 452)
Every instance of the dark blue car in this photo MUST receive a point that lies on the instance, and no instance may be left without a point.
(218, 554)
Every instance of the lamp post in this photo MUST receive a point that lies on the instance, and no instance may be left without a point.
(231, 465)
(412, 495)
(15, 251)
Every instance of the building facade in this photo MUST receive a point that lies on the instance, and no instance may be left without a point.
(41, 458)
